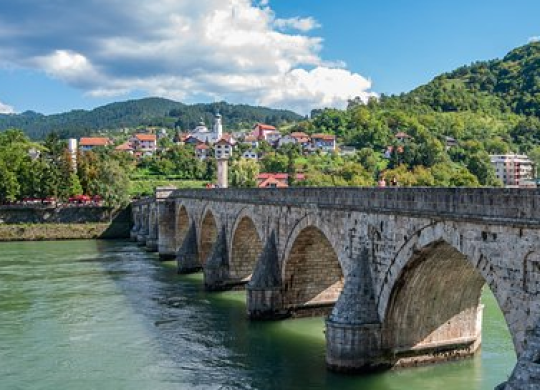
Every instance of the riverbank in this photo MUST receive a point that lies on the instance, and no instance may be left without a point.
(53, 232)
(49, 223)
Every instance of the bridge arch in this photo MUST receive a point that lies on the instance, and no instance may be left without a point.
(182, 225)
(311, 270)
(245, 247)
(208, 235)
(430, 298)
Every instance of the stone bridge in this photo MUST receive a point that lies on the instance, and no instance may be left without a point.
(399, 271)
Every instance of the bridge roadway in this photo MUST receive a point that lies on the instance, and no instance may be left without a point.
(399, 271)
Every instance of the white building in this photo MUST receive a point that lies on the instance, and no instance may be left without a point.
(250, 155)
(202, 151)
(513, 170)
(224, 147)
(146, 144)
(252, 141)
(286, 140)
(272, 137)
(203, 134)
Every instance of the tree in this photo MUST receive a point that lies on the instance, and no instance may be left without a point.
(9, 186)
(75, 187)
(368, 158)
(275, 163)
(112, 184)
(244, 173)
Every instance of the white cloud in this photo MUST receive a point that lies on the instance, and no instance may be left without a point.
(5, 109)
(321, 87)
(236, 50)
(534, 39)
(68, 66)
(300, 24)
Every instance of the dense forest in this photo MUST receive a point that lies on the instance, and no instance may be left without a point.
(142, 112)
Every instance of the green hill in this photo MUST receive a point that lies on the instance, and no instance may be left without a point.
(510, 84)
(142, 112)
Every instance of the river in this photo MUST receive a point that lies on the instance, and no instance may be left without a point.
(107, 315)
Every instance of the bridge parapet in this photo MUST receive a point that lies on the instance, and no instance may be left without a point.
(486, 204)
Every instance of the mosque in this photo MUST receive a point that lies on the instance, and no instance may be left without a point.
(204, 135)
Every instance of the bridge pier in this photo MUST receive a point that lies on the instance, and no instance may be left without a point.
(133, 233)
(265, 303)
(264, 291)
(166, 243)
(216, 268)
(151, 243)
(141, 237)
(354, 347)
(187, 258)
(354, 331)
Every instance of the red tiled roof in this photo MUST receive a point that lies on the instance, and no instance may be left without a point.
(250, 138)
(124, 146)
(274, 181)
(226, 138)
(299, 134)
(263, 126)
(202, 147)
(94, 141)
(146, 137)
(279, 176)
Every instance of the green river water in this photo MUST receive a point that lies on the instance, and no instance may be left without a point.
(109, 316)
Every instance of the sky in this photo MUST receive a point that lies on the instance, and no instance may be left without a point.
(60, 55)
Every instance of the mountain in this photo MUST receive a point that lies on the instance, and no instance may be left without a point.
(143, 112)
(510, 84)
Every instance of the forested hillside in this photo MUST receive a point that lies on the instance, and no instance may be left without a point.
(511, 84)
(149, 111)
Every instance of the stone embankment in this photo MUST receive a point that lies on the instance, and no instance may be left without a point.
(39, 223)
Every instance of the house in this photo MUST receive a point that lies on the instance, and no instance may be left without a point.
(450, 142)
(250, 155)
(276, 180)
(287, 140)
(191, 140)
(89, 143)
(202, 151)
(301, 138)
(272, 182)
(252, 141)
(125, 147)
(347, 150)
(144, 143)
(260, 130)
(224, 146)
(272, 137)
(324, 142)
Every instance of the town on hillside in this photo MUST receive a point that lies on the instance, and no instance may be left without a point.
(263, 140)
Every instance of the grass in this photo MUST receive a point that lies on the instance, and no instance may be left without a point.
(148, 186)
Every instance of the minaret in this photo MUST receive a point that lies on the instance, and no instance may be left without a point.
(72, 148)
(218, 127)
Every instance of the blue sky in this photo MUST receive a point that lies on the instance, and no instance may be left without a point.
(297, 54)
